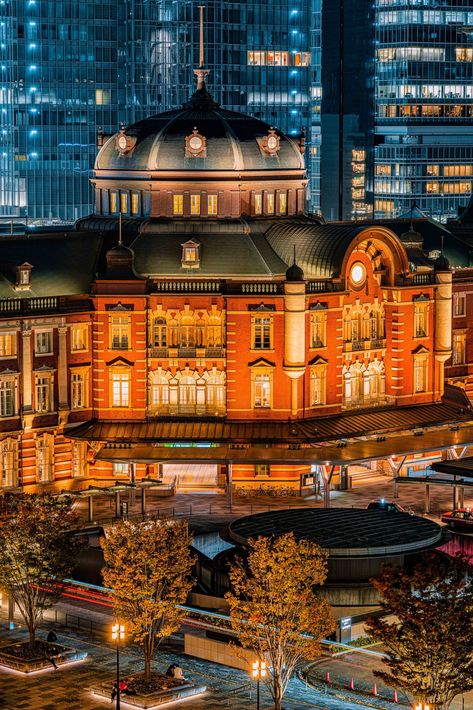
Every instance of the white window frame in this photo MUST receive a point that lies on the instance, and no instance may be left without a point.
(79, 388)
(43, 345)
(8, 344)
(79, 337)
(43, 384)
(8, 383)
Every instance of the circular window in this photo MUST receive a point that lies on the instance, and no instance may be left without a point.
(358, 273)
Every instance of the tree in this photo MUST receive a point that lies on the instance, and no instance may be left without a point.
(36, 552)
(148, 566)
(430, 643)
(274, 608)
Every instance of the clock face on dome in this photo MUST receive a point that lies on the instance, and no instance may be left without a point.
(122, 142)
(270, 143)
(196, 145)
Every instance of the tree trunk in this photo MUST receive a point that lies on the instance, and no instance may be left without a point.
(147, 667)
(277, 693)
(32, 635)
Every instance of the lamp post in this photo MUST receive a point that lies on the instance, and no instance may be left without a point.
(259, 671)
(422, 706)
(118, 634)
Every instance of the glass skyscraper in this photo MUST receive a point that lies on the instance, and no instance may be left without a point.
(424, 106)
(61, 77)
(69, 67)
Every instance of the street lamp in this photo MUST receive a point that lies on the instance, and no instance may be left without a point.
(422, 706)
(259, 671)
(118, 634)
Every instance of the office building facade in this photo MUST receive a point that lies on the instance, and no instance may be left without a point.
(424, 106)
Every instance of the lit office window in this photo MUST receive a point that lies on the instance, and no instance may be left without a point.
(178, 205)
(195, 204)
(212, 202)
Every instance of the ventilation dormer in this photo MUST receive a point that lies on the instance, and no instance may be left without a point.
(23, 277)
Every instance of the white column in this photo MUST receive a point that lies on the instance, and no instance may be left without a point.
(62, 368)
(27, 368)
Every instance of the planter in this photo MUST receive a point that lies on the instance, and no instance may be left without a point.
(151, 700)
(15, 656)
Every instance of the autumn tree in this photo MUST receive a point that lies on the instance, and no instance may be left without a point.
(274, 607)
(148, 566)
(36, 552)
(430, 641)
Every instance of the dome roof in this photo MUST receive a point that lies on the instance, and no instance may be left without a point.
(233, 142)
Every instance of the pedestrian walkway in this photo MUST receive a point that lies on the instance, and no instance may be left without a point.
(66, 689)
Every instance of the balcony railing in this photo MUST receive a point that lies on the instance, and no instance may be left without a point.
(357, 345)
(42, 304)
(187, 352)
(367, 402)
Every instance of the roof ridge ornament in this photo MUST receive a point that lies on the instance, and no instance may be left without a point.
(201, 99)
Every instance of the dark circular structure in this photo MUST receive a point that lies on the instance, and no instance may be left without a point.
(344, 532)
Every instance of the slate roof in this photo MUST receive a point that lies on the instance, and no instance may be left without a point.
(232, 144)
(63, 263)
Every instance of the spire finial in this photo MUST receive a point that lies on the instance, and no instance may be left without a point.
(201, 72)
(120, 242)
(442, 237)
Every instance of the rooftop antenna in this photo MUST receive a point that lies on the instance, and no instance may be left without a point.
(201, 72)
(120, 242)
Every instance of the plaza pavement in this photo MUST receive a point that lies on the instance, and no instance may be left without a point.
(66, 688)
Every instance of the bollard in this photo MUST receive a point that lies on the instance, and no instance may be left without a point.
(352, 684)
(375, 689)
(327, 677)
(395, 697)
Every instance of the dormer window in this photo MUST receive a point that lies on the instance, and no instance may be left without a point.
(190, 254)
(23, 276)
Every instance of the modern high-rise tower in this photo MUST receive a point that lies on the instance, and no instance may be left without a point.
(67, 68)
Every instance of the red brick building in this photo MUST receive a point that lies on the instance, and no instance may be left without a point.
(200, 304)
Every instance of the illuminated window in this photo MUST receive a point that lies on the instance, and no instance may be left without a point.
(212, 204)
(113, 202)
(256, 58)
(121, 469)
(44, 457)
(120, 381)
(178, 204)
(43, 342)
(261, 390)
(190, 254)
(159, 391)
(262, 327)
(459, 304)
(79, 389)
(119, 332)
(269, 207)
(282, 200)
(79, 458)
(79, 337)
(135, 203)
(420, 372)
(44, 393)
(262, 469)
(257, 203)
(215, 391)
(195, 204)
(457, 170)
(459, 348)
(123, 202)
(8, 395)
(456, 188)
(421, 312)
(464, 54)
(432, 187)
(187, 391)
(432, 170)
(8, 463)
(317, 329)
(159, 333)
(7, 344)
(318, 378)
(102, 97)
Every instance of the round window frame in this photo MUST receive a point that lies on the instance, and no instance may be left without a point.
(358, 283)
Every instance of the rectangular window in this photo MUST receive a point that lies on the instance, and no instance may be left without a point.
(43, 393)
(44, 458)
(269, 203)
(113, 202)
(7, 344)
(257, 203)
(420, 374)
(79, 458)
(459, 348)
(282, 199)
(420, 320)
(317, 330)
(7, 397)
(459, 304)
(121, 469)
(79, 337)
(8, 463)
(262, 332)
(262, 391)
(123, 202)
(262, 469)
(135, 203)
(317, 385)
(79, 389)
(43, 344)
(120, 389)
(178, 204)
(195, 204)
(212, 204)
(119, 332)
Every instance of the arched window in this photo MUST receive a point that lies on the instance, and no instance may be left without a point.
(8, 463)
(159, 333)
(215, 391)
(214, 332)
(173, 333)
(318, 390)
(200, 333)
(187, 339)
(187, 391)
(159, 392)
